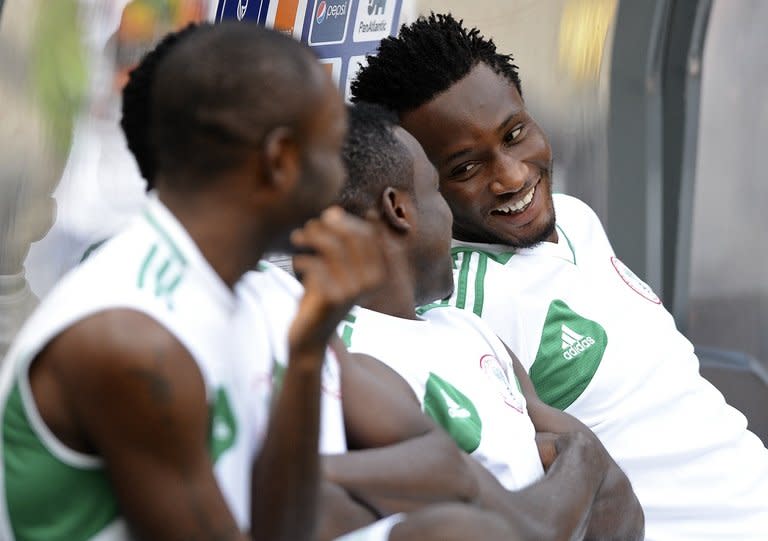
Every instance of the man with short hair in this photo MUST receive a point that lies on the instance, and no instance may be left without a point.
(135, 400)
(458, 369)
(540, 270)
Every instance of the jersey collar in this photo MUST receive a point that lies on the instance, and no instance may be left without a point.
(562, 249)
(167, 225)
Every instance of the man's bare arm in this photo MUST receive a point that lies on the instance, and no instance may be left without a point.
(556, 507)
(616, 512)
(454, 522)
(141, 405)
(340, 513)
(400, 459)
(287, 471)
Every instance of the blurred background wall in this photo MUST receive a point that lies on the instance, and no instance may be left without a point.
(42, 82)
(67, 179)
(729, 257)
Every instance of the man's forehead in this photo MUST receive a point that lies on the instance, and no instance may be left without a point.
(480, 102)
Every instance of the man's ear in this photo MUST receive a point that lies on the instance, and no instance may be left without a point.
(396, 209)
(281, 159)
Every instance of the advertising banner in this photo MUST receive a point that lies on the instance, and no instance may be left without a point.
(341, 32)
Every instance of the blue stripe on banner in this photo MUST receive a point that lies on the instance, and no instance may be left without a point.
(263, 11)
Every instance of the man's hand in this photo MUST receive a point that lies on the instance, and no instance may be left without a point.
(341, 260)
(615, 512)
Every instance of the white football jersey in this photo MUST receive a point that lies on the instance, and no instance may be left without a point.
(464, 379)
(598, 343)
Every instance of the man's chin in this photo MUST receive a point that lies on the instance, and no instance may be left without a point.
(535, 239)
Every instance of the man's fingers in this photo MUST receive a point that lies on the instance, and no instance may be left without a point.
(339, 260)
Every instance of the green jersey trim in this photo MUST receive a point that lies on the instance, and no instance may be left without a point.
(570, 244)
(92, 248)
(278, 376)
(48, 499)
(346, 334)
(461, 285)
(421, 310)
(502, 258)
(166, 237)
(145, 265)
(462, 257)
(482, 266)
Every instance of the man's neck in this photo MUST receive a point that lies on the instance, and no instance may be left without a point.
(224, 235)
(397, 297)
(395, 302)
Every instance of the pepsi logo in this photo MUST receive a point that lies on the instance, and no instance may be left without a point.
(322, 10)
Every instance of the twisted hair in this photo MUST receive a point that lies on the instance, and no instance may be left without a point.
(137, 103)
(425, 59)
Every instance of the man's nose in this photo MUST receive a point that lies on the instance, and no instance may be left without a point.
(510, 175)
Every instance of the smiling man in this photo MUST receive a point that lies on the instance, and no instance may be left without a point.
(595, 340)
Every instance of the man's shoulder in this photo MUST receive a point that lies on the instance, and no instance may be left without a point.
(129, 272)
(581, 225)
(569, 209)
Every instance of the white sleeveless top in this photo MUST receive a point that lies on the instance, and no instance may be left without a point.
(51, 492)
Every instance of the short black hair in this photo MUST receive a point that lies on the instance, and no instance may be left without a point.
(374, 158)
(218, 93)
(136, 108)
(425, 59)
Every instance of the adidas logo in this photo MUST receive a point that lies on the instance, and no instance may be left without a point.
(454, 410)
(574, 343)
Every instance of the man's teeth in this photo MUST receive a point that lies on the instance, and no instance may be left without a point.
(519, 206)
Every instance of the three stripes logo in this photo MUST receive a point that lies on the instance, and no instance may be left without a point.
(574, 343)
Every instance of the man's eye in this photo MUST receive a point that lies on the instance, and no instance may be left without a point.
(513, 135)
(463, 169)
